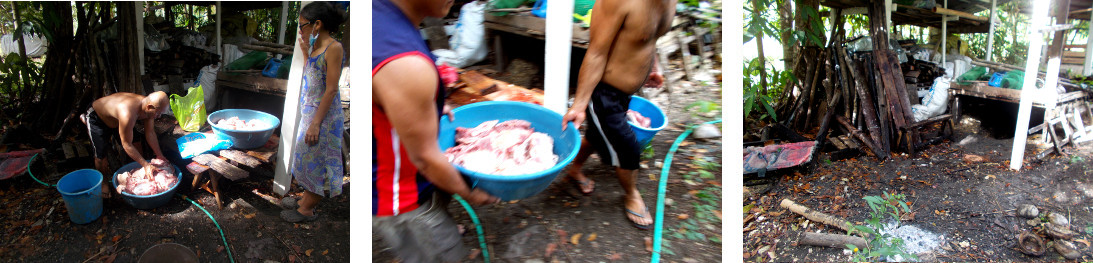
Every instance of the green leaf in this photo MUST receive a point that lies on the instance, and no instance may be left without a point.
(770, 111)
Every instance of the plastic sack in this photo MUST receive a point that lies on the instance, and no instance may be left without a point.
(206, 79)
(197, 143)
(1014, 79)
(468, 44)
(935, 102)
(189, 110)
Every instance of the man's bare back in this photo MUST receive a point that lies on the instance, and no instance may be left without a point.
(119, 105)
(631, 51)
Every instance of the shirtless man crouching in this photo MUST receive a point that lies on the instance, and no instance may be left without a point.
(118, 114)
(620, 59)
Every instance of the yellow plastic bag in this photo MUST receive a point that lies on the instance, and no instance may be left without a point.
(189, 109)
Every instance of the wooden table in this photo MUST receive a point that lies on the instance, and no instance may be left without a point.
(233, 164)
(1058, 114)
(527, 25)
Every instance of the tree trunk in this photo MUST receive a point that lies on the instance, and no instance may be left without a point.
(785, 20)
(23, 74)
(757, 11)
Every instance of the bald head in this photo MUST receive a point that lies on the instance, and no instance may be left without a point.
(155, 104)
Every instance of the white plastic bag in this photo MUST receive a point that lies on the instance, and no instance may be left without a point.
(935, 102)
(207, 79)
(468, 44)
(36, 46)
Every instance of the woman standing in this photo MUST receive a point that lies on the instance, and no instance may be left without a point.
(317, 156)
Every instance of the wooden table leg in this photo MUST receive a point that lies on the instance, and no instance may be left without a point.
(214, 179)
(197, 178)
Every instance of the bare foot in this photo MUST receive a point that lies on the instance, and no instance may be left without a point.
(106, 191)
(637, 212)
(586, 185)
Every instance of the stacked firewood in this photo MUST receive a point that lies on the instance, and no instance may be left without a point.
(864, 92)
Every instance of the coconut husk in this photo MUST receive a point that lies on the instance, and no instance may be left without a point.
(1067, 249)
(1058, 232)
(1030, 244)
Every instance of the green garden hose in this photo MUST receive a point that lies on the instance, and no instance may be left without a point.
(32, 174)
(226, 247)
(477, 227)
(662, 189)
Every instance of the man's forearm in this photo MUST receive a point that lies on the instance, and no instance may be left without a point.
(443, 175)
(133, 153)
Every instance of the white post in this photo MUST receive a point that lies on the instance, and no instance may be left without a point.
(1032, 65)
(944, 33)
(990, 35)
(559, 42)
(140, 35)
(219, 41)
(284, 16)
(282, 180)
(887, 15)
(1087, 67)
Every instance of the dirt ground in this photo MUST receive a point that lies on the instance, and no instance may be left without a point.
(36, 225)
(562, 225)
(968, 205)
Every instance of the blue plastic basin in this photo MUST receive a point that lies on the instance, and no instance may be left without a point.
(244, 139)
(657, 119)
(146, 201)
(512, 187)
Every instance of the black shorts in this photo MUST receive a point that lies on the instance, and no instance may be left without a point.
(608, 132)
(100, 134)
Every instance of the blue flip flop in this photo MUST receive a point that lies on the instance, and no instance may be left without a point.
(639, 226)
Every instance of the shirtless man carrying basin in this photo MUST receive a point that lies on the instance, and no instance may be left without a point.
(118, 114)
(620, 59)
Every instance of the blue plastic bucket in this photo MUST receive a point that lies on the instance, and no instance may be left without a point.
(244, 139)
(657, 119)
(512, 187)
(82, 192)
(146, 202)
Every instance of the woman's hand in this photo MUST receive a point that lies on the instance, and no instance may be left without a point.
(312, 135)
(304, 47)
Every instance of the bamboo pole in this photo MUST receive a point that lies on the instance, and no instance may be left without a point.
(946, 11)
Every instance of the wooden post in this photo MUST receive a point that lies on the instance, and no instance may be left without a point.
(282, 180)
(815, 215)
(140, 36)
(1087, 66)
(891, 75)
(219, 40)
(831, 240)
(1032, 65)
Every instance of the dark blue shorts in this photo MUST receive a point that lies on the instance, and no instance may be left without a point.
(608, 132)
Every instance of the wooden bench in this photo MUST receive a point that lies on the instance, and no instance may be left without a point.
(915, 129)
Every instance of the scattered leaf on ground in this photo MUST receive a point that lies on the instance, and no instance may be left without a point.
(615, 256)
(682, 216)
(550, 248)
(328, 251)
(592, 237)
(576, 239)
(308, 252)
(249, 216)
(474, 253)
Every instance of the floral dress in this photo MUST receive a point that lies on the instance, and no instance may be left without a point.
(318, 168)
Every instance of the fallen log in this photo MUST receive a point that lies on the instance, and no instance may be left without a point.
(831, 240)
(815, 215)
(861, 137)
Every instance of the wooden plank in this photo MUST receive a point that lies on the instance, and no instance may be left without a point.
(240, 158)
(532, 26)
(861, 137)
(204, 159)
(256, 83)
(227, 170)
(837, 141)
(196, 168)
(931, 120)
(262, 155)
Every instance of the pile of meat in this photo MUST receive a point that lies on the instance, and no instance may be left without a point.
(235, 123)
(637, 119)
(136, 182)
(505, 148)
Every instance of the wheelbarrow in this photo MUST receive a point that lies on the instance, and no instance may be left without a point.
(15, 163)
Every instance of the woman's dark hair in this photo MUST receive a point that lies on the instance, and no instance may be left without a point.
(324, 11)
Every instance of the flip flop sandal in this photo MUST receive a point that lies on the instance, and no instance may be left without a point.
(290, 203)
(642, 227)
(581, 184)
(293, 216)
